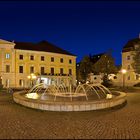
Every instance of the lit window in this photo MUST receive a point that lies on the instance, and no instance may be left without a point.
(7, 55)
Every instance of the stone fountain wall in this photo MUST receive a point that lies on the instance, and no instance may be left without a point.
(71, 105)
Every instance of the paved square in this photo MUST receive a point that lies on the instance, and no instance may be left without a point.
(18, 122)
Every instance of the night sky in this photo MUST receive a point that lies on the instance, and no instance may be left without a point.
(81, 27)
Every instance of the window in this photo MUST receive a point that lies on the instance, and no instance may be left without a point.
(95, 78)
(7, 56)
(42, 58)
(31, 57)
(61, 70)
(70, 71)
(128, 78)
(21, 57)
(115, 77)
(7, 68)
(52, 70)
(20, 69)
(70, 61)
(128, 67)
(42, 70)
(128, 57)
(7, 82)
(137, 77)
(136, 46)
(21, 82)
(52, 59)
(31, 69)
(61, 60)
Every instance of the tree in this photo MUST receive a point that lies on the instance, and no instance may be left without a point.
(85, 68)
(105, 65)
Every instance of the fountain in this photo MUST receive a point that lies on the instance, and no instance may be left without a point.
(62, 98)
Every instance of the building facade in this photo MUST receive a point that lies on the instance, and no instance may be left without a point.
(130, 77)
(49, 63)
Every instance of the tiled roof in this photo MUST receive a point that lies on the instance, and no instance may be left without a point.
(130, 45)
(41, 46)
(96, 57)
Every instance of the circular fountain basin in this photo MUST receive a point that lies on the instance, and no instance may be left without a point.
(116, 99)
(68, 94)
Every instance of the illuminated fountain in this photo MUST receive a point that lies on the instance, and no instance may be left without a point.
(62, 98)
(42, 91)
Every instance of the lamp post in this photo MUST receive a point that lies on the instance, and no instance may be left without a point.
(123, 72)
(31, 77)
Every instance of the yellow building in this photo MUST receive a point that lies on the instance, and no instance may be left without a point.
(48, 62)
(130, 77)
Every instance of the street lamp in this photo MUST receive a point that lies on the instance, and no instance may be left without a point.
(31, 77)
(123, 72)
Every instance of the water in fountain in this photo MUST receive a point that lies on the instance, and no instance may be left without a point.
(63, 93)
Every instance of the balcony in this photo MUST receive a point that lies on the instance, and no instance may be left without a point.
(55, 74)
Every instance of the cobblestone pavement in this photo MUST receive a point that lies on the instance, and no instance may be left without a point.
(18, 122)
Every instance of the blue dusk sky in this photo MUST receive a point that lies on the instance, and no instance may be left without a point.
(81, 27)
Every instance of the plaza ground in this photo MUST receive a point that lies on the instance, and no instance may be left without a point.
(18, 122)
